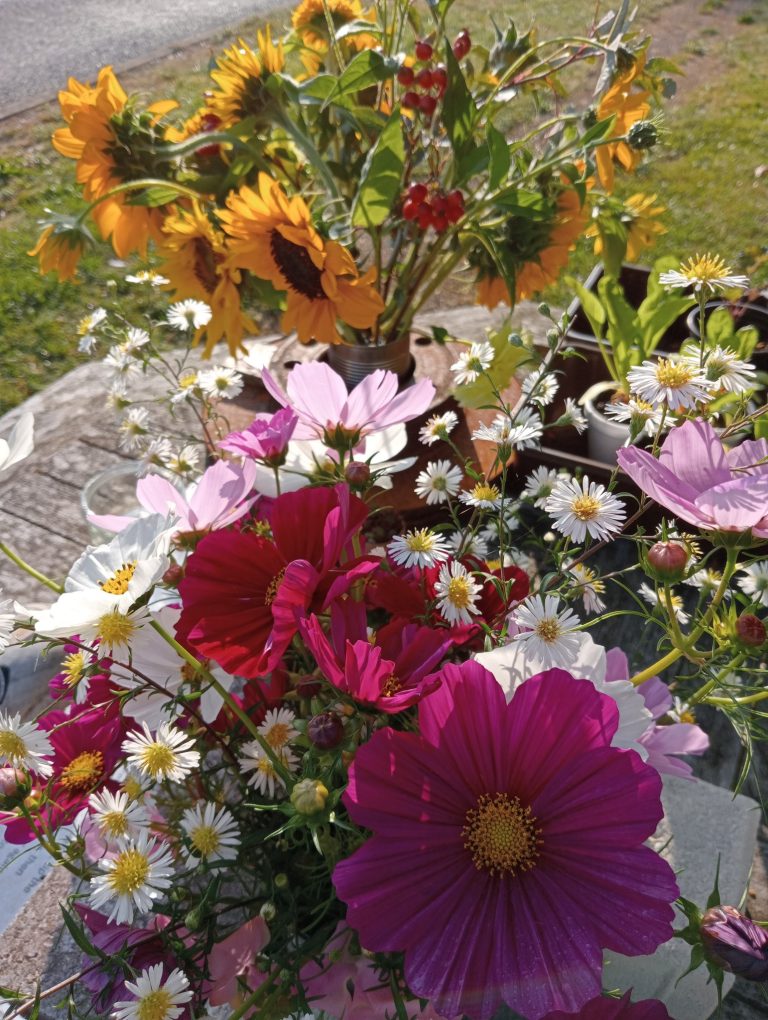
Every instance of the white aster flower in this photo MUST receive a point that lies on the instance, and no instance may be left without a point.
(541, 386)
(755, 584)
(134, 340)
(189, 388)
(676, 382)
(572, 416)
(681, 712)
(133, 428)
(469, 543)
(704, 272)
(483, 495)
(154, 998)
(418, 548)
(220, 383)
(726, 371)
(212, 832)
(707, 581)
(653, 599)
(149, 277)
(266, 780)
(548, 632)
(185, 462)
(472, 362)
(75, 673)
(590, 587)
(169, 754)
(134, 878)
(584, 508)
(439, 481)
(539, 485)
(117, 817)
(19, 444)
(521, 434)
(438, 427)
(457, 593)
(278, 729)
(23, 745)
(122, 364)
(638, 414)
(157, 452)
(190, 314)
(7, 621)
(85, 329)
(118, 397)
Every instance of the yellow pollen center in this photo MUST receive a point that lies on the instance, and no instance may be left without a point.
(158, 758)
(85, 325)
(114, 823)
(83, 771)
(548, 629)
(271, 593)
(391, 686)
(501, 835)
(12, 746)
(130, 872)
(118, 583)
(705, 267)
(278, 735)
(116, 629)
(73, 668)
(132, 786)
(673, 374)
(205, 840)
(266, 766)
(421, 541)
(485, 492)
(458, 592)
(188, 381)
(156, 1005)
(586, 508)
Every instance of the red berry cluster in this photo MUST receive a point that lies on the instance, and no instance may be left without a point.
(437, 210)
(425, 82)
(209, 122)
(462, 44)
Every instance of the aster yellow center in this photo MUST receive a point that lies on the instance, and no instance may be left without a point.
(704, 268)
(155, 1005)
(12, 746)
(548, 629)
(114, 823)
(421, 541)
(83, 771)
(501, 835)
(486, 493)
(271, 593)
(132, 787)
(115, 629)
(73, 668)
(278, 735)
(586, 508)
(85, 325)
(673, 374)
(459, 593)
(130, 872)
(205, 839)
(158, 758)
(118, 583)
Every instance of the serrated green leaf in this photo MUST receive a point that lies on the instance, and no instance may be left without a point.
(381, 178)
(498, 149)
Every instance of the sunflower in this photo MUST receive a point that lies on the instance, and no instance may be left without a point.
(240, 74)
(59, 251)
(310, 24)
(272, 236)
(538, 260)
(627, 107)
(99, 135)
(194, 254)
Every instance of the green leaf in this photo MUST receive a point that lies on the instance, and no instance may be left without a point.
(381, 177)
(613, 234)
(655, 321)
(458, 105)
(154, 196)
(598, 131)
(720, 328)
(761, 428)
(500, 158)
(80, 938)
(591, 307)
(10, 993)
(714, 897)
(697, 958)
(365, 69)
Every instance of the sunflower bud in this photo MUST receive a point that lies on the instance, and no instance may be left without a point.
(590, 118)
(668, 560)
(735, 943)
(625, 60)
(643, 135)
(309, 796)
(750, 630)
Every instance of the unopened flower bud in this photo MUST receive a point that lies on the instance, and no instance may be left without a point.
(515, 340)
(193, 919)
(590, 117)
(10, 781)
(750, 630)
(543, 309)
(309, 796)
(553, 336)
(668, 560)
(643, 135)
(735, 943)
(308, 687)
(325, 730)
(173, 575)
(357, 473)
(268, 911)
(281, 880)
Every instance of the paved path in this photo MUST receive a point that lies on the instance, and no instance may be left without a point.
(42, 42)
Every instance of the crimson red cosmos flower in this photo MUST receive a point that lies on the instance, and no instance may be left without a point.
(243, 594)
(507, 848)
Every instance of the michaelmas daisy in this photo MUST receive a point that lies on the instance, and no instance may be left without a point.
(155, 998)
(167, 755)
(23, 745)
(212, 833)
(548, 632)
(418, 548)
(438, 427)
(584, 508)
(704, 272)
(438, 482)
(134, 878)
(676, 382)
(457, 592)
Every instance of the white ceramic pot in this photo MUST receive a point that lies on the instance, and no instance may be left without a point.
(604, 436)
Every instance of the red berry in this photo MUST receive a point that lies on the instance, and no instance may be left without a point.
(439, 205)
(423, 50)
(750, 630)
(417, 192)
(455, 198)
(440, 78)
(462, 45)
(453, 213)
(410, 209)
(410, 100)
(425, 217)
(406, 75)
(325, 730)
(424, 78)
(427, 104)
(668, 559)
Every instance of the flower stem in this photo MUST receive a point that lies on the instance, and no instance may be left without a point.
(15, 558)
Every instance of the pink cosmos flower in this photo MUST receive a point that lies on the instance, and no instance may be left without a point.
(507, 847)
(221, 496)
(663, 743)
(390, 674)
(605, 1008)
(327, 411)
(235, 957)
(703, 483)
(266, 438)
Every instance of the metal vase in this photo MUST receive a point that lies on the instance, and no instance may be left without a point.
(354, 362)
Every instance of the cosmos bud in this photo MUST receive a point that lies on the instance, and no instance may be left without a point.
(750, 630)
(325, 730)
(735, 943)
(668, 560)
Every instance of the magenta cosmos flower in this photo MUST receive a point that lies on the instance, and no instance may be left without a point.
(703, 483)
(266, 438)
(604, 1008)
(507, 848)
(327, 411)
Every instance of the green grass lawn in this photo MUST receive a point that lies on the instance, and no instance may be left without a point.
(704, 172)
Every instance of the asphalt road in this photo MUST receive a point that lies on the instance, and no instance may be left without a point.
(43, 42)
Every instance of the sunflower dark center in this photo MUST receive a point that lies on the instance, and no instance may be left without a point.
(294, 262)
(205, 260)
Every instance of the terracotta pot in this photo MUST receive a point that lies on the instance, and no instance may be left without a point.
(604, 436)
(354, 362)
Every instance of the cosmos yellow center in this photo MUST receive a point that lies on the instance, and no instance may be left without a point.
(673, 374)
(12, 746)
(73, 668)
(391, 686)
(114, 823)
(205, 840)
(130, 872)
(458, 592)
(116, 629)
(501, 835)
(487, 493)
(272, 588)
(156, 1005)
(705, 267)
(118, 583)
(83, 771)
(586, 508)
(548, 629)
(158, 758)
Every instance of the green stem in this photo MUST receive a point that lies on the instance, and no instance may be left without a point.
(15, 558)
(749, 699)
(144, 182)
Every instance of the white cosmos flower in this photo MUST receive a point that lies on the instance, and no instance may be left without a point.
(755, 583)
(190, 314)
(541, 386)
(675, 382)
(548, 632)
(220, 383)
(19, 444)
(169, 754)
(23, 745)
(638, 414)
(704, 272)
(212, 832)
(439, 481)
(438, 427)
(584, 508)
(483, 495)
(418, 548)
(653, 599)
(472, 362)
(154, 998)
(266, 780)
(117, 817)
(457, 593)
(133, 878)
(539, 485)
